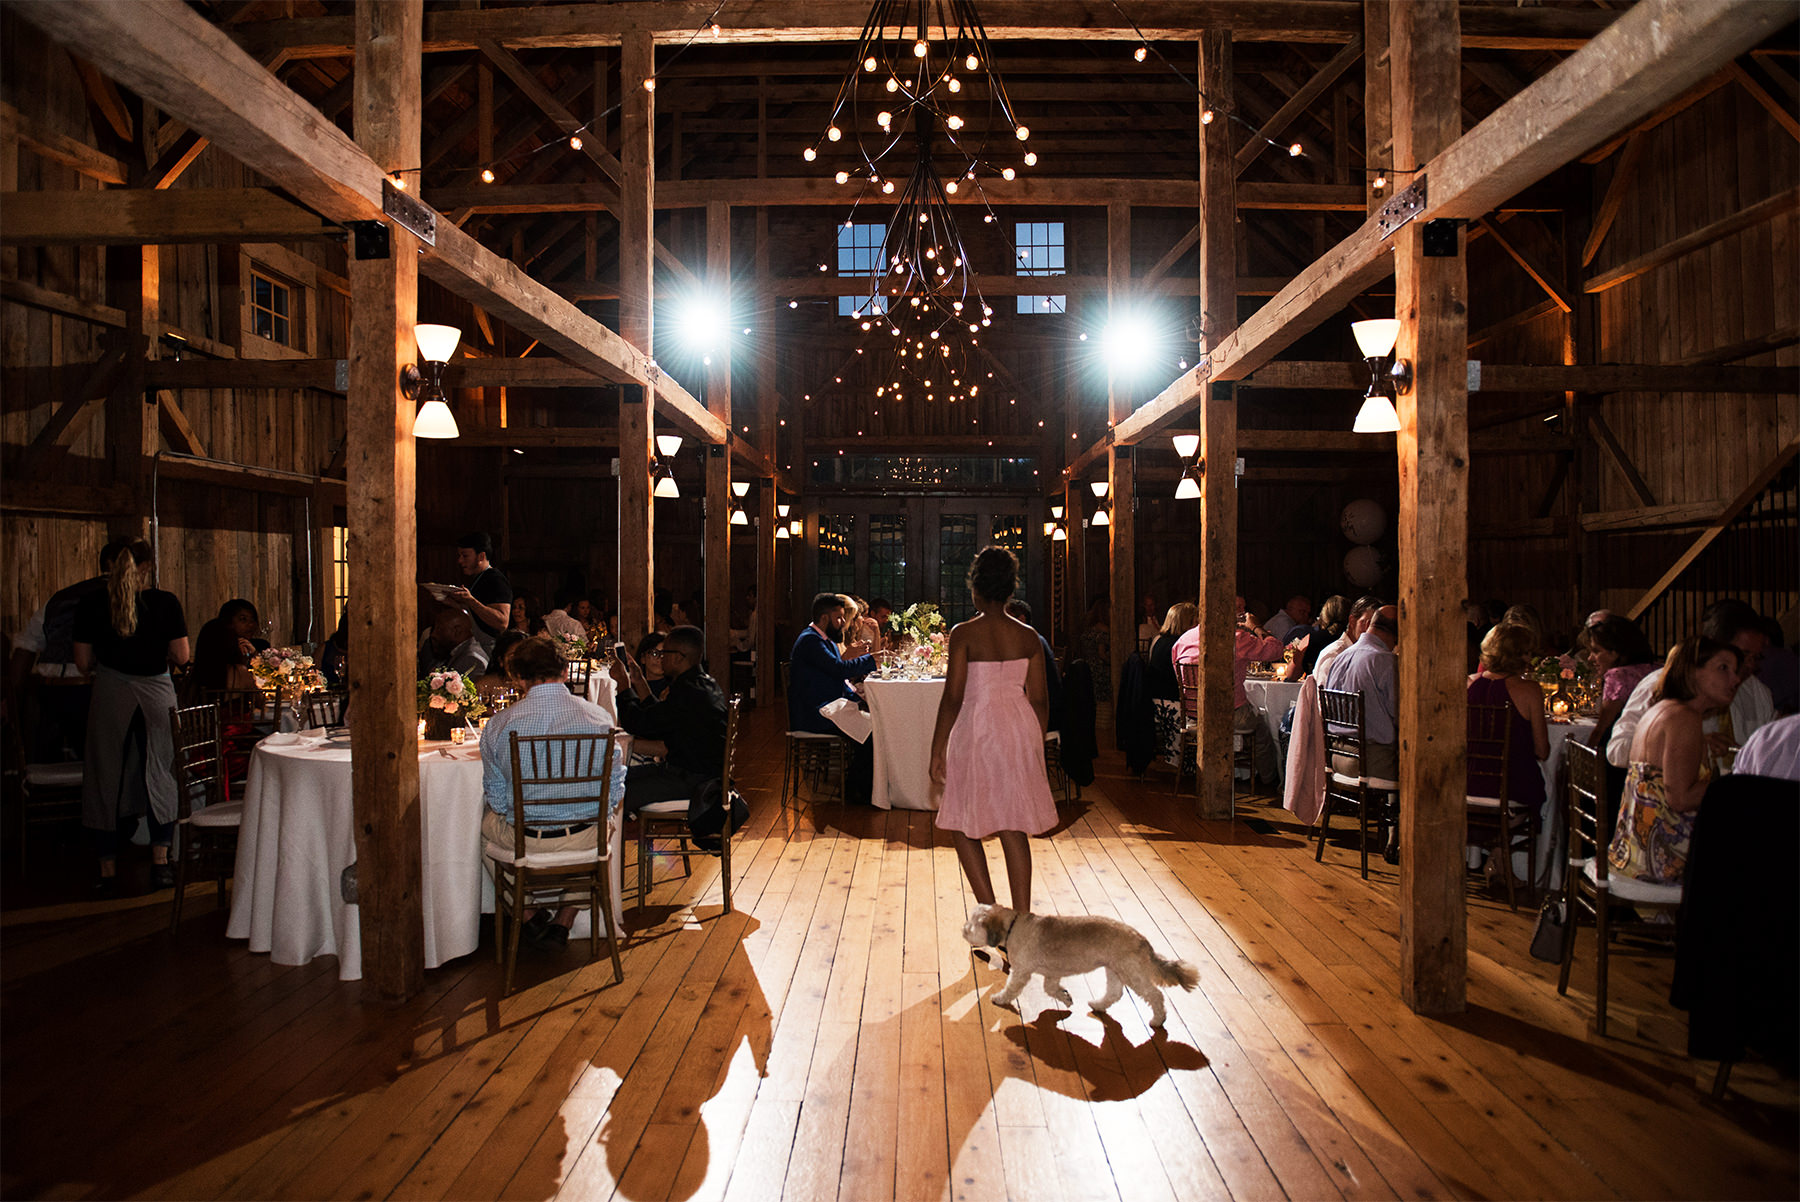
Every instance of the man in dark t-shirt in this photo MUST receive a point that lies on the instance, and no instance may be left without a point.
(487, 597)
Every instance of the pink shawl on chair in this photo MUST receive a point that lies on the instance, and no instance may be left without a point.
(1305, 794)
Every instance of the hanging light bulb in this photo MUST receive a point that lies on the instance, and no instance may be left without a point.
(1022, 133)
(809, 154)
(1380, 180)
(1206, 116)
(1141, 53)
(972, 63)
(950, 187)
(954, 84)
(1294, 150)
(574, 141)
(399, 182)
(1007, 173)
(834, 133)
(883, 118)
(888, 186)
(487, 175)
(869, 63)
(893, 85)
(1031, 158)
(920, 49)
(954, 122)
(650, 84)
(842, 177)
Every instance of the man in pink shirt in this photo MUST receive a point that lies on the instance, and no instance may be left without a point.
(1253, 645)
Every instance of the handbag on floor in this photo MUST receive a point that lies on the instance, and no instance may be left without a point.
(1547, 936)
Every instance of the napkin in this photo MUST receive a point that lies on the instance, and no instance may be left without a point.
(845, 715)
(303, 738)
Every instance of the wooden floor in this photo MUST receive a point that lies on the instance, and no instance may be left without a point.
(833, 1039)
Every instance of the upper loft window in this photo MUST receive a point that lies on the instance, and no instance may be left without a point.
(272, 313)
(1040, 246)
(859, 254)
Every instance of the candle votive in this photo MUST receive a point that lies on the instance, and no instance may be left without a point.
(457, 733)
(421, 728)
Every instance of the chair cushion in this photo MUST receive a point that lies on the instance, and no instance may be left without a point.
(54, 776)
(1376, 783)
(1054, 736)
(1628, 888)
(812, 734)
(1483, 803)
(503, 852)
(226, 813)
(664, 809)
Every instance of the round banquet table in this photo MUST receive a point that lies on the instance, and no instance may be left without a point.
(1272, 699)
(298, 836)
(1551, 845)
(904, 715)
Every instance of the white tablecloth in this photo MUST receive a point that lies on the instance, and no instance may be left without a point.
(603, 691)
(1551, 847)
(904, 713)
(298, 837)
(1272, 699)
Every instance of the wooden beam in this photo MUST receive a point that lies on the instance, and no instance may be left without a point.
(98, 383)
(176, 428)
(1716, 527)
(1218, 585)
(223, 474)
(60, 148)
(1540, 275)
(1171, 257)
(637, 407)
(1624, 175)
(1763, 210)
(383, 549)
(25, 293)
(1121, 529)
(1783, 113)
(1655, 46)
(719, 500)
(55, 496)
(1656, 517)
(1431, 299)
(527, 82)
(1608, 442)
(1687, 99)
(753, 21)
(1298, 103)
(171, 163)
(144, 216)
(173, 57)
(1762, 344)
(822, 192)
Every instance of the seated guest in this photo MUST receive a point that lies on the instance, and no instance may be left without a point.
(1369, 668)
(1160, 680)
(561, 621)
(881, 609)
(583, 611)
(334, 657)
(1355, 626)
(861, 626)
(1728, 621)
(1622, 657)
(1021, 610)
(1310, 639)
(497, 677)
(1252, 644)
(547, 708)
(686, 728)
(1528, 617)
(1294, 613)
(451, 645)
(1148, 626)
(245, 623)
(523, 615)
(1669, 767)
(817, 674)
(1096, 647)
(649, 667)
(219, 662)
(1500, 681)
(1774, 750)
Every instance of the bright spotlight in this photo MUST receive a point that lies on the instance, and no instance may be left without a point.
(702, 324)
(1129, 344)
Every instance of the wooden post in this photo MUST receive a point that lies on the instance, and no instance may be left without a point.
(1121, 545)
(1075, 499)
(1218, 433)
(1378, 107)
(1431, 296)
(131, 414)
(768, 586)
(719, 501)
(384, 295)
(637, 530)
(768, 591)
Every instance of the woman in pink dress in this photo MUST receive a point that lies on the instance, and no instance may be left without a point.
(987, 756)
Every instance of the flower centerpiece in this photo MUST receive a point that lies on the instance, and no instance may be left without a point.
(1567, 681)
(285, 672)
(448, 699)
(924, 644)
(573, 648)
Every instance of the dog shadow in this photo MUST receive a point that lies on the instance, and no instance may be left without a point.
(1114, 1069)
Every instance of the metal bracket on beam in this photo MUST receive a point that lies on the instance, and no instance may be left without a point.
(1439, 240)
(715, 451)
(1406, 205)
(411, 212)
(369, 239)
(1224, 390)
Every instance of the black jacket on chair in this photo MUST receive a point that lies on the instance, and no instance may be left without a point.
(1078, 745)
(1134, 718)
(1737, 943)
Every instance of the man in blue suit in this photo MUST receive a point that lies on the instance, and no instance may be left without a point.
(818, 675)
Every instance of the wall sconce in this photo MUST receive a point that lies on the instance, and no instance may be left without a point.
(781, 510)
(781, 530)
(668, 445)
(1059, 535)
(740, 488)
(1376, 339)
(436, 345)
(1056, 511)
(1187, 446)
(1100, 488)
(739, 517)
(662, 476)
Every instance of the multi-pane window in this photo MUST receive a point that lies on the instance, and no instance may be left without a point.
(1041, 253)
(272, 309)
(340, 573)
(887, 557)
(859, 254)
(1009, 532)
(837, 553)
(956, 551)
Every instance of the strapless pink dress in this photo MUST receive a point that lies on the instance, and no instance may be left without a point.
(994, 766)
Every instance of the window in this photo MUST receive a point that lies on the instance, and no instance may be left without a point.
(1041, 253)
(887, 556)
(272, 309)
(1009, 532)
(340, 573)
(956, 551)
(859, 254)
(837, 552)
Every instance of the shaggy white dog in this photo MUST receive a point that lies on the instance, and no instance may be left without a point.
(1053, 948)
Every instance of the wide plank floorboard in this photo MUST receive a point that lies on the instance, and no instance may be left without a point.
(833, 1039)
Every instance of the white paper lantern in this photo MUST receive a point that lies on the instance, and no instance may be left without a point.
(1363, 567)
(1363, 521)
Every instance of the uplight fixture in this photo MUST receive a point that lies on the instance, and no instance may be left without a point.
(436, 345)
(1376, 338)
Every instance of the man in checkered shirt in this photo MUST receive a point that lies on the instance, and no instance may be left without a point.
(548, 708)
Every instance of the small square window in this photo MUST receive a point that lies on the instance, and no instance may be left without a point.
(271, 307)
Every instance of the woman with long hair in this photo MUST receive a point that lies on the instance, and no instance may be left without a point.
(128, 637)
(1670, 767)
(987, 754)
